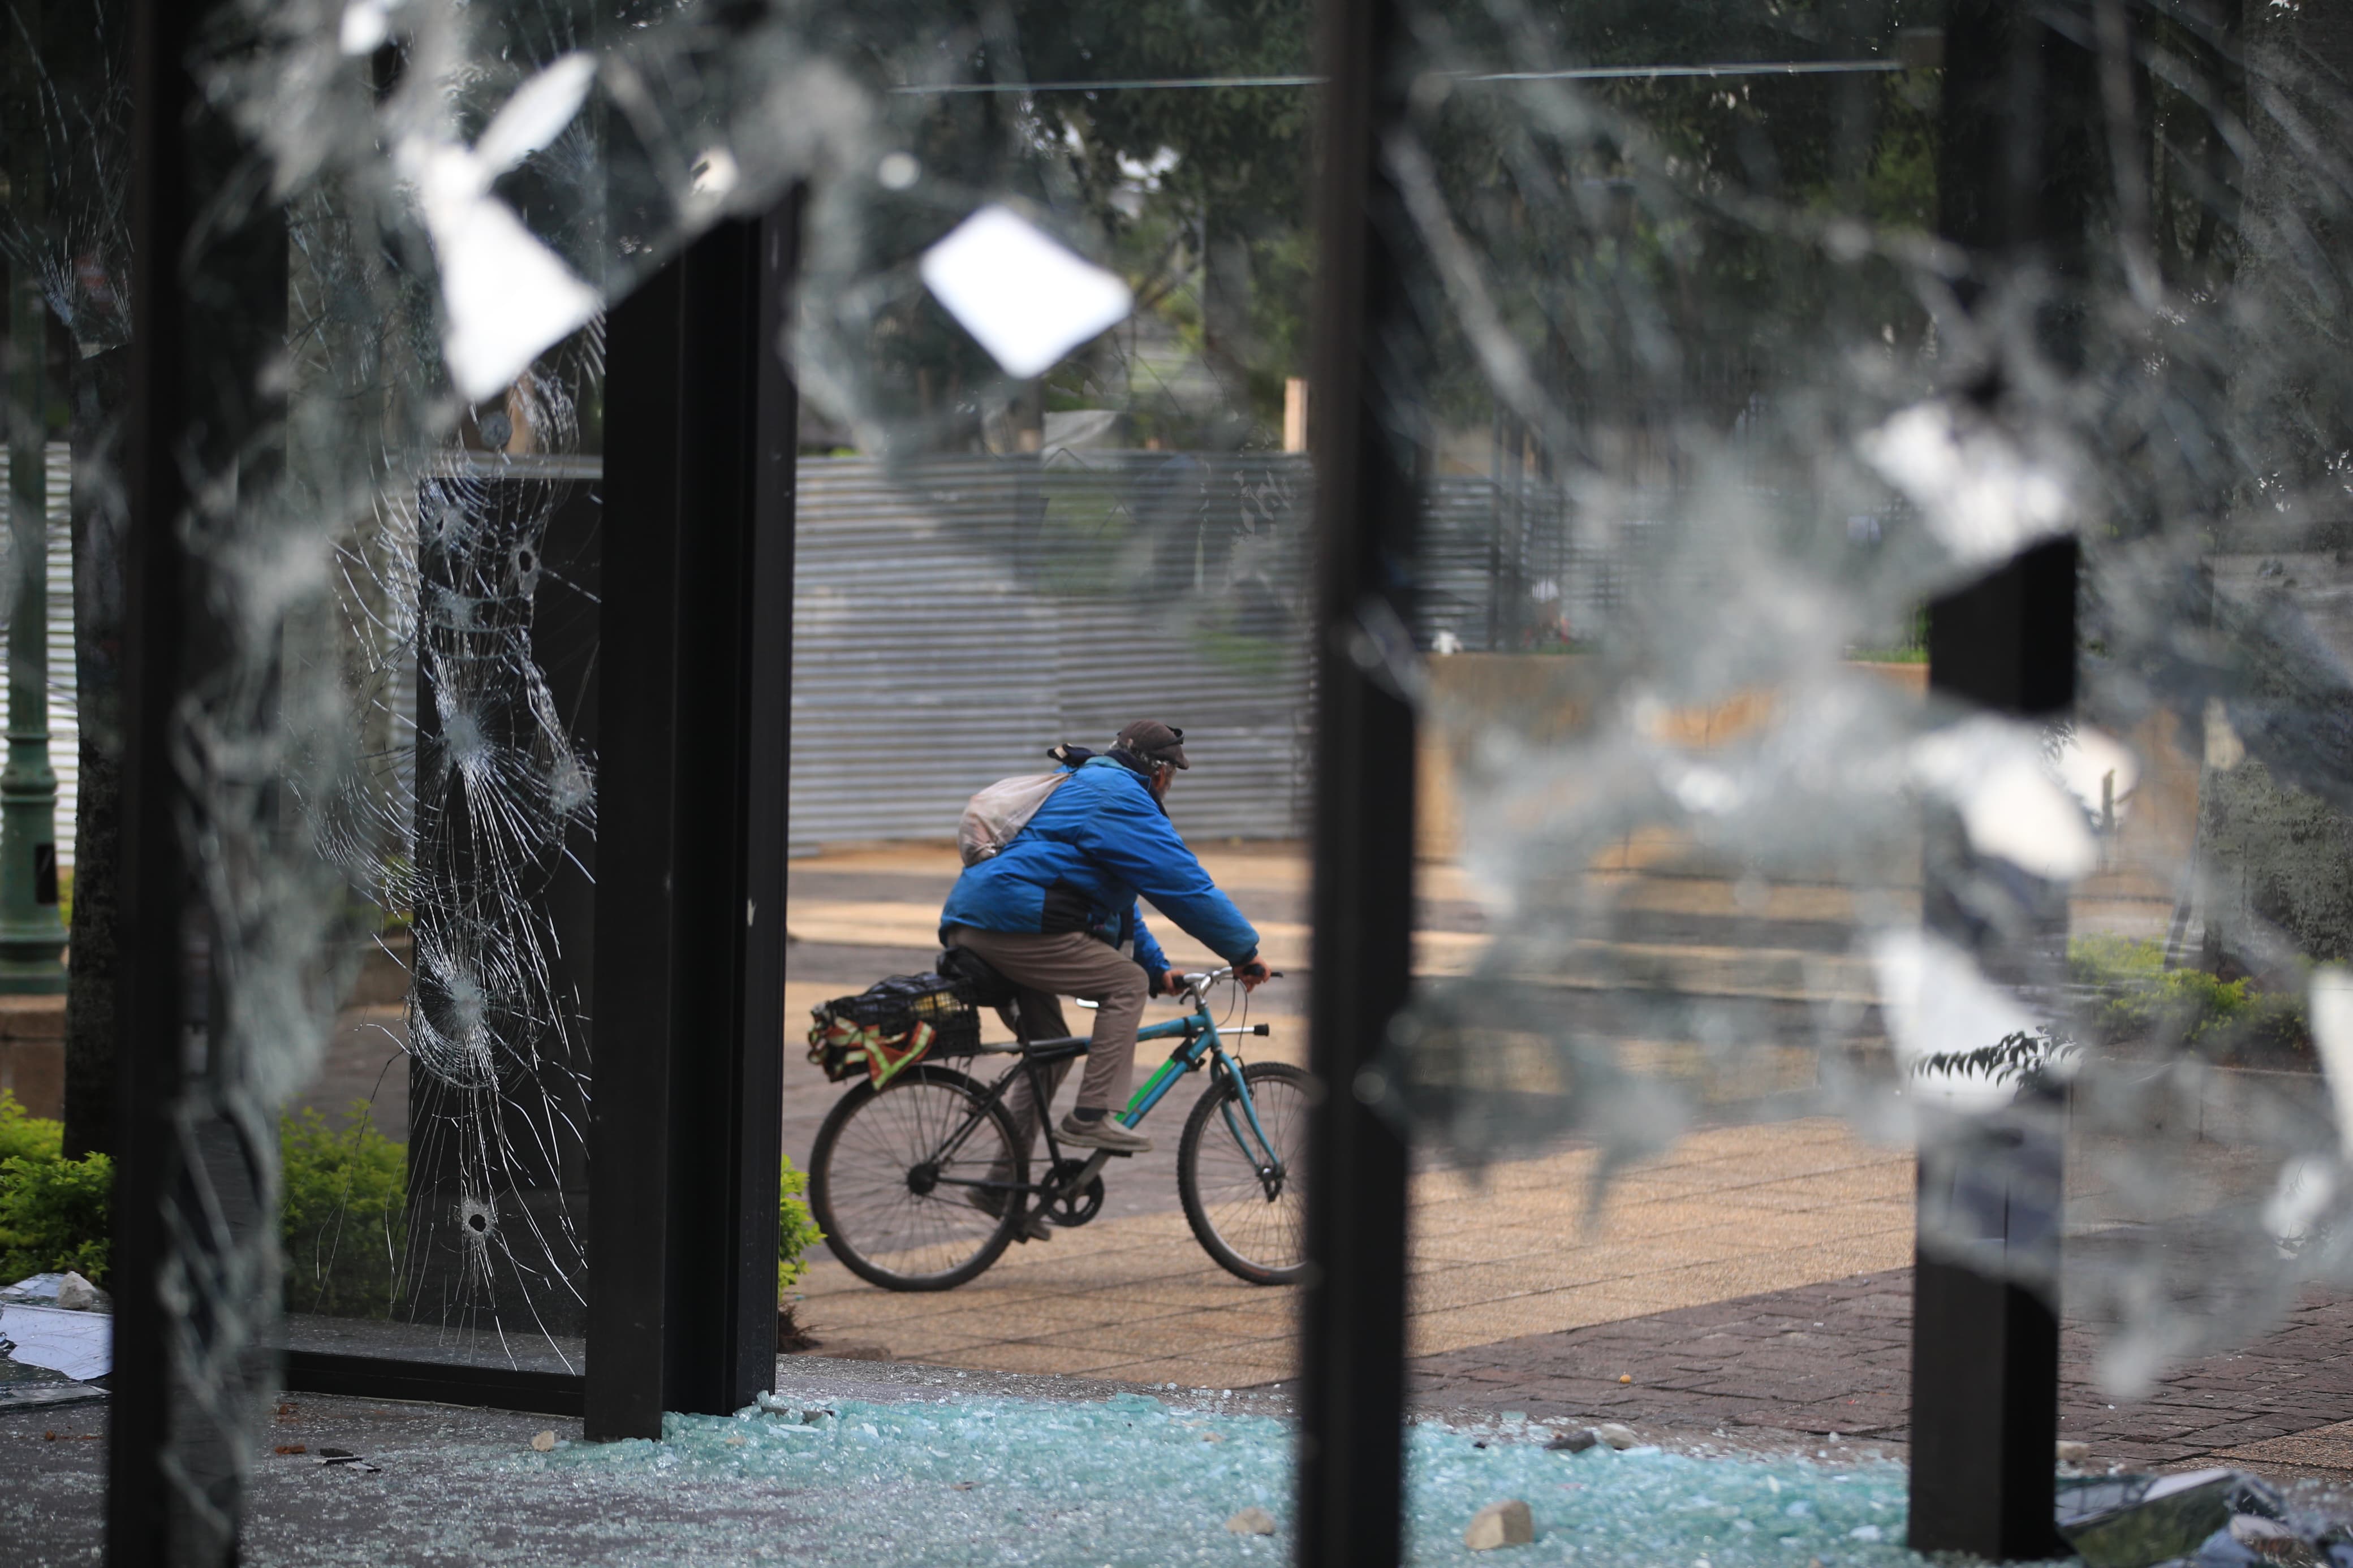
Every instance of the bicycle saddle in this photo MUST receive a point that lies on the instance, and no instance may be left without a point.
(970, 976)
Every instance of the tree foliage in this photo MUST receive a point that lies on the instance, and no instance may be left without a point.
(2027, 1057)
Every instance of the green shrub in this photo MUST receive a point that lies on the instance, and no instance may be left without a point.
(344, 1216)
(2102, 957)
(2136, 998)
(347, 1196)
(29, 1137)
(796, 1230)
(344, 1219)
(53, 1214)
(52, 1210)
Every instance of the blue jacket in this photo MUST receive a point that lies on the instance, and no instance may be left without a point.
(1079, 865)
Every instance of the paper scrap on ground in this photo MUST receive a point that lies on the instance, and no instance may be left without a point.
(79, 1345)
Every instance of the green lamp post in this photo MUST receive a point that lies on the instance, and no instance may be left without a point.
(32, 937)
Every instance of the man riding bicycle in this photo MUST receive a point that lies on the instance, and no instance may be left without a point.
(1055, 912)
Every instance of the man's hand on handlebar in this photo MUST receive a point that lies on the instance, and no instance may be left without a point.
(1253, 975)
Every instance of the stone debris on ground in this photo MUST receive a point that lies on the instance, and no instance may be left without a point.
(1616, 1435)
(33, 1290)
(2139, 1522)
(1505, 1524)
(545, 1442)
(1575, 1441)
(1252, 1520)
(2071, 1452)
(67, 1292)
(2251, 1538)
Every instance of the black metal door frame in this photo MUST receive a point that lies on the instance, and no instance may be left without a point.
(686, 1121)
(709, 472)
(208, 308)
(1352, 1316)
(1985, 1367)
(2018, 176)
(686, 1022)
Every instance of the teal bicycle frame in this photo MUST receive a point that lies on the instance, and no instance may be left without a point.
(1202, 1045)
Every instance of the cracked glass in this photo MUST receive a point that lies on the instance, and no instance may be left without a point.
(1731, 352)
(1044, 367)
(1749, 365)
(1051, 366)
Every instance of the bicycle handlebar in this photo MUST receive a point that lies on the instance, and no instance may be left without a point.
(1202, 978)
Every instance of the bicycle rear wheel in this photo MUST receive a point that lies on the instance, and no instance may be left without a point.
(889, 1180)
(1247, 1213)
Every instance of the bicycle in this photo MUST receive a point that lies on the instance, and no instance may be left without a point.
(896, 1172)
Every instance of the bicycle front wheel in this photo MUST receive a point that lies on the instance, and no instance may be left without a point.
(891, 1180)
(1244, 1186)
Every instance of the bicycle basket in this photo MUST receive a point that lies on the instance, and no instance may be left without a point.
(892, 1024)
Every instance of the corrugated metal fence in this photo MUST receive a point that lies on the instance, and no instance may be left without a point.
(953, 619)
(956, 618)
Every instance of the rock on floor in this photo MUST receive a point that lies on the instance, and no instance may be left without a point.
(1506, 1524)
(1251, 1522)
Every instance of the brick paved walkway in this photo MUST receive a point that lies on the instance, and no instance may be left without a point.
(1725, 1213)
(1749, 1280)
(1836, 1357)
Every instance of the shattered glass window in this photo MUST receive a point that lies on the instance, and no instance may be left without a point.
(1047, 365)
(1053, 369)
(1744, 349)
(436, 1161)
(1736, 350)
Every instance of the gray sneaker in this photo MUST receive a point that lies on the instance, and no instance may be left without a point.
(1105, 1133)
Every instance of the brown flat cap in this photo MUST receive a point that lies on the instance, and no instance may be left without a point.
(1153, 741)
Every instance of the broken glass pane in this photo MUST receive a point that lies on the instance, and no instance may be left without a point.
(1724, 386)
(1730, 381)
(398, 782)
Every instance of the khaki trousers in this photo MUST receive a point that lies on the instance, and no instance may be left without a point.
(1068, 964)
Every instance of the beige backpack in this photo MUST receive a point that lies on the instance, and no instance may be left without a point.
(992, 817)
